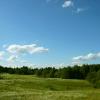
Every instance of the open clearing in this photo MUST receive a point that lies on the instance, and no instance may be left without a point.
(28, 87)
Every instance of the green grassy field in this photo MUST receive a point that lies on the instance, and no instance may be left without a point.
(28, 87)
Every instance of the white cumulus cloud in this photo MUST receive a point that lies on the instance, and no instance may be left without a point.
(90, 56)
(23, 49)
(67, 4)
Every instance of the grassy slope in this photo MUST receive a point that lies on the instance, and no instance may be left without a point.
(23, 87)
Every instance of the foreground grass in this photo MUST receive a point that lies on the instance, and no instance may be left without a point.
(24, 87)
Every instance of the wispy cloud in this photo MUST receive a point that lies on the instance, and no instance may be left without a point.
(67, 4)
(70, 4)
(48, 1)
(2, 55)
(79, 10)
(4, 46)
(12, 58)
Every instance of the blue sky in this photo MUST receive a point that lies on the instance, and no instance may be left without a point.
(39, 32)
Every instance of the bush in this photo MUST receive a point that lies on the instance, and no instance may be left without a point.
(94, 78)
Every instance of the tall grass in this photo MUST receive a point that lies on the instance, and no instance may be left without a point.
(23, 87)
(1, 77)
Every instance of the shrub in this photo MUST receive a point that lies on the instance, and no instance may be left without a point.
(94, 78)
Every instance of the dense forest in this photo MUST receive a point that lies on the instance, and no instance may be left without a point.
(69, 72)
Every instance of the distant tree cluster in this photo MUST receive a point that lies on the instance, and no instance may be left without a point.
(69, 72)
(75, 72)
(22, 71)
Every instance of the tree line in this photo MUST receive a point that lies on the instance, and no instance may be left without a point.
(69, 72)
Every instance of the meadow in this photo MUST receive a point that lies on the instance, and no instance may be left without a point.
(30, 87)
